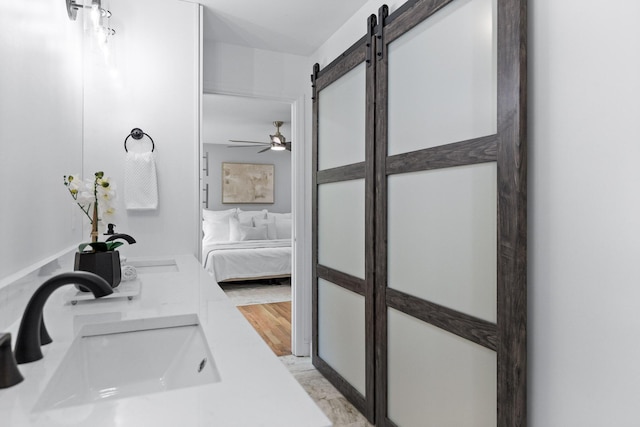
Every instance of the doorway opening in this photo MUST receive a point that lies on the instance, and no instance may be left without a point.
(238, 129)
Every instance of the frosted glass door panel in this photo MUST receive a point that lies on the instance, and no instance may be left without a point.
(341, 226)
(436, 378)
(341, 120)
(442, 78)
(341, 332)
(442, 237)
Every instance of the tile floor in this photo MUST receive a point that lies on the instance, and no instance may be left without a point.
(330, 400)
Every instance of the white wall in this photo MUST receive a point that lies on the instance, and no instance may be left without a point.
(584, 209)
(40, 131)
(584, 213)
(150, 81)
(242, 70)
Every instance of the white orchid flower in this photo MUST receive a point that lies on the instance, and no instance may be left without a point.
(94, 197)
(105, 195)
(85, 198)
(107, 213)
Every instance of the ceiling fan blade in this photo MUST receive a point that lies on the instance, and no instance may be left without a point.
(266, 149)
(249, 142)
(241, 146)
(287, 145)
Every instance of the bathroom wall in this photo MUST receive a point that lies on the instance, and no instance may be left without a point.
(40, 132)
(584, 207)
(584, 213)
(282, 171)
(149, 78)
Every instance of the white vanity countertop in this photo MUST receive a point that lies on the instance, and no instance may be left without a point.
(255, 388)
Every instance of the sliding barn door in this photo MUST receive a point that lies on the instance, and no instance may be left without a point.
(420, 216)
(450, 251)
(343, 347)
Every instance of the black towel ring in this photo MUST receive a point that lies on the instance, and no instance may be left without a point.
(137, 134)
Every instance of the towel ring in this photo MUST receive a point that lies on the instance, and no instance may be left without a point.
(137, 134)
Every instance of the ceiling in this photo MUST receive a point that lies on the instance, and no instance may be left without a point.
(291, 26)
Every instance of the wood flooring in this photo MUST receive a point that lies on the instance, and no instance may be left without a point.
(273, 323)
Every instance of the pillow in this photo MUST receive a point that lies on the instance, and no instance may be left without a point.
(278, 215)
(234, 227)
(253, 233)
(271, 226)
(283, 228)
(215, 225)
(214, 215)
(246, 216)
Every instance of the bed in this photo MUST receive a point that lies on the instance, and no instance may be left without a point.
(246, 245)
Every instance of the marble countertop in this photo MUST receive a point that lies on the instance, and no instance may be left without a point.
(255, 388)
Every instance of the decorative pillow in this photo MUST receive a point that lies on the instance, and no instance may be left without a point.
(234, 228)
(215, 225)
(246, 216)
(283, 228)
(278, 215)
(271, 226)
(253, 233)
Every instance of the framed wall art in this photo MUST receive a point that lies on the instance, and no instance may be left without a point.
(247, 183)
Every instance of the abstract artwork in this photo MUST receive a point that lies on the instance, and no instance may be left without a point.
(247, 183)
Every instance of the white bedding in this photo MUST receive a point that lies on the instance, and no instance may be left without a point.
(251, 259)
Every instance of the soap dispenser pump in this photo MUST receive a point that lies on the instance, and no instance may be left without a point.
(110, 230)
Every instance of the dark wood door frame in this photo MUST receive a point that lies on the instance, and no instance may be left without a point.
(359, 53)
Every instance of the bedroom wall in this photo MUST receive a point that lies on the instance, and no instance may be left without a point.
(151, 81)
(40, 131)
(583, 208)
(282, 185)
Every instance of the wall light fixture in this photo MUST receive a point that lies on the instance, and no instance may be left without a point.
(98, 15)
(96, 9)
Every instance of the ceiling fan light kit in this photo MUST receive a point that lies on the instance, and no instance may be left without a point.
(277, 141)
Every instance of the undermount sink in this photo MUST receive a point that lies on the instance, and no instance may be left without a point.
(131, 358)
(154, 266)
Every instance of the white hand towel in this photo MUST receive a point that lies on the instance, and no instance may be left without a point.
(140, 181)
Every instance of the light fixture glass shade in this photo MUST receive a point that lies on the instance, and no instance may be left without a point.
(95, 15)
(278, 147)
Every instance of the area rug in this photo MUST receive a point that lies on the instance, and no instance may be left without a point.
(247, 294)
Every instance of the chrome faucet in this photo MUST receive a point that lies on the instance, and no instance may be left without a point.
(32, 327)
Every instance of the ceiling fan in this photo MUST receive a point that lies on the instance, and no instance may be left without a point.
(276, 142)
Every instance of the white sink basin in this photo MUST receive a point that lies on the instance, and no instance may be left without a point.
(130, 358)
(154, 266)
